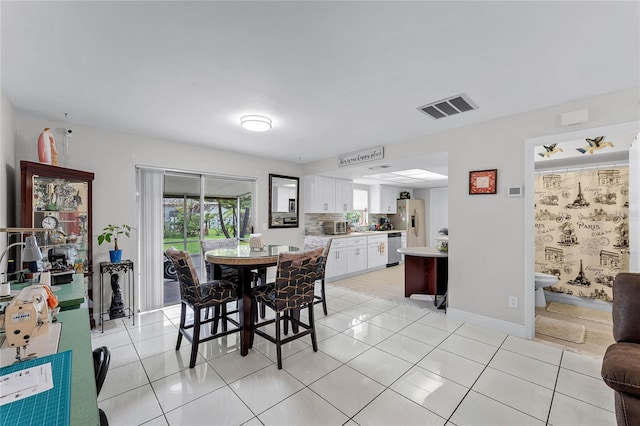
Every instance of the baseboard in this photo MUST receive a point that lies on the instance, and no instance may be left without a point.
(583, 302)
(488, 322)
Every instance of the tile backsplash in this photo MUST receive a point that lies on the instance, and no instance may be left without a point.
(313, 221)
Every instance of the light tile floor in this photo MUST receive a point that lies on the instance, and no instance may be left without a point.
(379, 362)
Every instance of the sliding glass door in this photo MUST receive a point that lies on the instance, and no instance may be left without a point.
(197, 207)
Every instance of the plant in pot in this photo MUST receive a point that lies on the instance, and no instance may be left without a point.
(112, 232)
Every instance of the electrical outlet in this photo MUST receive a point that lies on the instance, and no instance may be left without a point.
(513, 302)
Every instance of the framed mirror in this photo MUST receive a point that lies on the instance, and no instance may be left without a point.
(284, 194)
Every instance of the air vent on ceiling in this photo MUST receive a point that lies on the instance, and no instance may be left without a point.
(447, 107)
(382, 166)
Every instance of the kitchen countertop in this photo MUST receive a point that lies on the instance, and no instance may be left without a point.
(422, 252)
(355, 234)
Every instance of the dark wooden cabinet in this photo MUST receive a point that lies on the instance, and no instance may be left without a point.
(426, 275)
(60, 200)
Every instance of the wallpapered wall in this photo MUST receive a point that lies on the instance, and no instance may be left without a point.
(582, 229)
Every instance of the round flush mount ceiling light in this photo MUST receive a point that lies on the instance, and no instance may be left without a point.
(255, 123)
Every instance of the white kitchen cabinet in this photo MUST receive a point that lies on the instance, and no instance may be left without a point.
(344, 196)
(356, 254)
(319, 194)
(327, 195)
(337, 259)
(377, 254)
(382, 199)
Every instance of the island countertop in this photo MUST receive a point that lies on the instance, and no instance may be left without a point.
(422, 252)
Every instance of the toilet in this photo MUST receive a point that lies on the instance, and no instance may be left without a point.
(542, 281)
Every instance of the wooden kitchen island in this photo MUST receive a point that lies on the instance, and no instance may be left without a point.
(426, 271)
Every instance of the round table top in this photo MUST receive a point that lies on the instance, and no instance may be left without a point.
(422, 252)
(244, 255)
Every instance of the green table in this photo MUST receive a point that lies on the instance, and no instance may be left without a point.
(76, 336)
(70, 295)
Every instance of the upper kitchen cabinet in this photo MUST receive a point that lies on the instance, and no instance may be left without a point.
(382, 199)
(344, 196)
(319, 194)
(327, 195)
(59, 200)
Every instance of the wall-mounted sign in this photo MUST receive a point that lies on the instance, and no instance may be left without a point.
(364, 156)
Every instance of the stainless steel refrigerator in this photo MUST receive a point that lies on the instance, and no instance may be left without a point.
(411, 217)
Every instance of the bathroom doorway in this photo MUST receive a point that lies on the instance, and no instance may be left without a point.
(580, 159)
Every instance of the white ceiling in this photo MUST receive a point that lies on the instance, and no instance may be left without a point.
(335, 77)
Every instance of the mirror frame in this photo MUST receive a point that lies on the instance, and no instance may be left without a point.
(297, 201)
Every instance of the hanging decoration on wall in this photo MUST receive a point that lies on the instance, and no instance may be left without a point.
(483, 181)
(550, 150)
(582, 229)
(47, 152)
(594, 145)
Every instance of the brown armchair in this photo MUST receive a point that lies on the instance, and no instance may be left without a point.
(621, 363)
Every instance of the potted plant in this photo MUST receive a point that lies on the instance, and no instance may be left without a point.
(113, 232)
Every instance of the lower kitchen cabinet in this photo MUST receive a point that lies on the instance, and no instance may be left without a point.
(377, 254)
(337, 260)
(356, 254)
(353, 254)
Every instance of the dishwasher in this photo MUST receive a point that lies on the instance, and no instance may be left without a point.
(394, 242)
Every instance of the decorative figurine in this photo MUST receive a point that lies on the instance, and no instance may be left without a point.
(47, 152)
(116, 310)
(550, 150)
(594, 145)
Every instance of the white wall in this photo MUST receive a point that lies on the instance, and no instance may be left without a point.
(486, 258)
(7, 171)
(7, 162)
(113, 157)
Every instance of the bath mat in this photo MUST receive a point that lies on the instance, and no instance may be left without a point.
(580, 312)
(564, 330)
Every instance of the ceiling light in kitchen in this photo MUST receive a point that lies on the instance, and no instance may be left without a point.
(255, 123)
(407, 176)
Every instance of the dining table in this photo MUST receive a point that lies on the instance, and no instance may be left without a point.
(246, 259)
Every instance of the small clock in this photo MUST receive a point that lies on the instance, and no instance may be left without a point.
(50, 222)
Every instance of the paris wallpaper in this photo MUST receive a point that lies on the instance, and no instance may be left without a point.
(582, 229)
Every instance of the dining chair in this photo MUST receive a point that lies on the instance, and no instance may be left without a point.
(219, 271)
(101, 360)
(292, 290)
(322, 298)
(200, 297)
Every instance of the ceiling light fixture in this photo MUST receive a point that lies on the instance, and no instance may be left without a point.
(255, 123)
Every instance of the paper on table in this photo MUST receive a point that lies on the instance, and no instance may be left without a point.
(25, 383)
